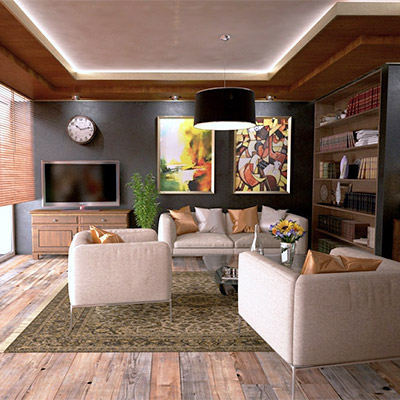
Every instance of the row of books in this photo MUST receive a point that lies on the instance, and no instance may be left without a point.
(364, 101)
(330, 223)
(368, 168)
(346, 228)
(329, 169)
(339, 141)
(360, 201)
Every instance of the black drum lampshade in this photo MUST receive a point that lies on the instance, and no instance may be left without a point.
(225, 108)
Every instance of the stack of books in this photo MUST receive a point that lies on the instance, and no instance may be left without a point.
(364, 101)
(329, 169)
(366, 136)
(360, 201)
(368, 168)
(339, 141)
(330, 223)
(354, 229)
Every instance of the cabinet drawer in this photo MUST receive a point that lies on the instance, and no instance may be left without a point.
(102, 219)
(54, 219)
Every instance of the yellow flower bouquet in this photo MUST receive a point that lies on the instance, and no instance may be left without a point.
(287, 231)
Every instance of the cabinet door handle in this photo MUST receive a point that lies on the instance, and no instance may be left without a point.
(55, 219)
(103, 220)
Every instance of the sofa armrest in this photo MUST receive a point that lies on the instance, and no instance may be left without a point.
(118, 272)
(266, 300)
(301, 244)
(167, 230)
(346, 317)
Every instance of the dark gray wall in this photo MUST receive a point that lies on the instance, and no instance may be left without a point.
(388, 206)
(128, 133)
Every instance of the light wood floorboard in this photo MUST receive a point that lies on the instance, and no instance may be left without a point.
(27, 285)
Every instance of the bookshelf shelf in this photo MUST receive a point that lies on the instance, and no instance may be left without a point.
(345, 210)
(352, 119)
(350, 149)
(326, 162)
(366, 248)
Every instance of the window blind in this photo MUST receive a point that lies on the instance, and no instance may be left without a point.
(16, 150)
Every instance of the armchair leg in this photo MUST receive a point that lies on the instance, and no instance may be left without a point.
(170, 310)
(293, 382)
(71, 319)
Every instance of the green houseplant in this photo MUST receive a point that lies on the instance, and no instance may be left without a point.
(145, 204)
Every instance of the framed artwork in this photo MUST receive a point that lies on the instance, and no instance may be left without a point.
(185, 157)
(262, 157)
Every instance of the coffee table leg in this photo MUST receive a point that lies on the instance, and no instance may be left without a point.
(226, 289)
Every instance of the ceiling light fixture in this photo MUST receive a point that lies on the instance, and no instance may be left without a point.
(225, 108)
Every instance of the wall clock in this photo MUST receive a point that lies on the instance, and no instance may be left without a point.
(81, 129)
(323, 192)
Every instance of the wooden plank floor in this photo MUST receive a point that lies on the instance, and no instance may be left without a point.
(25, 284)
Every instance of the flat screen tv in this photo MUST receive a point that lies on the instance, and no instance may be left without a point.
(80, 183)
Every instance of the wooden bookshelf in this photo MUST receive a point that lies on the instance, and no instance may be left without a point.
(335, 103)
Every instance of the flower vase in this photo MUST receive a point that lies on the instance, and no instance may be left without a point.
(256, 246)
(287, 253)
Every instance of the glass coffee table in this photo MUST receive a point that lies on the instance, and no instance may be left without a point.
(225, 272)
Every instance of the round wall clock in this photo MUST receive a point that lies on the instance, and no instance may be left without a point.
(81, 129)
(323, 192)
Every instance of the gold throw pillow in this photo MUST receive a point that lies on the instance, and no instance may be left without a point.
(244, 220)
(321, 263)
(101, 236)
(184, 220)
(354, 264)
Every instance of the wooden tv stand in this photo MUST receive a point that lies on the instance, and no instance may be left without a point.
(53, 230)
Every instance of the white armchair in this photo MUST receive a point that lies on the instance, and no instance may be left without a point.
(323, 319)
(136, 271)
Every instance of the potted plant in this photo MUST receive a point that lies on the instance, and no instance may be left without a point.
(145, 204)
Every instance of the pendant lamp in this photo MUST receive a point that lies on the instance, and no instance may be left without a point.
(225, 108)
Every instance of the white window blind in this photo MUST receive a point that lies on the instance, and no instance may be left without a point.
(17, 183)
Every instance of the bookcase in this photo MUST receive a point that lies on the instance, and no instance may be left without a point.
(345, 197)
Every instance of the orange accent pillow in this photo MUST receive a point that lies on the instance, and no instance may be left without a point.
(354, 264)
(101, 236)
(184, 221)
(321, 263)
(244, 220)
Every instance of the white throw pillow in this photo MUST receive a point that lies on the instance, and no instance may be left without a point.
(270, 216)
(210, 220)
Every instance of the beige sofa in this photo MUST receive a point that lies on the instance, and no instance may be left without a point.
(136, 271)
(324, 319)
(200, 243)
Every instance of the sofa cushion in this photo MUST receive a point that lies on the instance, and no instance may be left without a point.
(360, 264)
(101, 236)
(203, 240)
(184, 221)
(244, 240)
(270, 216)
(210, 220)
(244, 220)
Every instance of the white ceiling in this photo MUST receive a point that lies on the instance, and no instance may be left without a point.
(169, 36)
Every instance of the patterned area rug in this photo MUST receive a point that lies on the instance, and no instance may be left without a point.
(203, 320)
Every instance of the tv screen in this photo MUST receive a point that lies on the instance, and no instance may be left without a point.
(80, 183)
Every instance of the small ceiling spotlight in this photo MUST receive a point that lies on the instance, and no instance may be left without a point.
(175, 97)
(270, 97)
(76, 97)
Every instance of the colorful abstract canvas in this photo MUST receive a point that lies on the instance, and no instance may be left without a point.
(262, 157)
(185, 157)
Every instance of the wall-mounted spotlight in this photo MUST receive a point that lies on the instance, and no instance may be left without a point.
(76, 97)
(270, 97)
(175, 97)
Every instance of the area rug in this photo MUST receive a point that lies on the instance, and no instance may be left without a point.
(203, 320)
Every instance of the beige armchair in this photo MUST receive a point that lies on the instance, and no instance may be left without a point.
(136, 271)
(324, 319)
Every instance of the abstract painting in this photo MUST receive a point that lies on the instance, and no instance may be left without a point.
(185, 157)
(262, 157)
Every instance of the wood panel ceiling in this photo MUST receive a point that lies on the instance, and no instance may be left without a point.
(347, 47)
